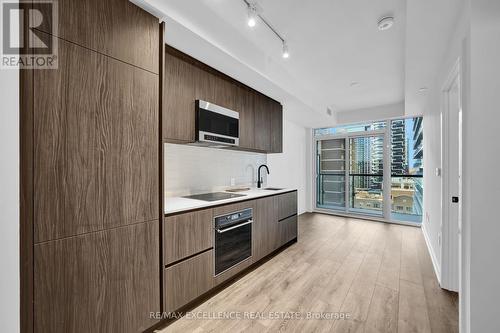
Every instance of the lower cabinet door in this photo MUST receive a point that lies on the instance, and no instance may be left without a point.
(287, 229)
(185, 281)
(286, 204)
(105, 281)
(264, 232)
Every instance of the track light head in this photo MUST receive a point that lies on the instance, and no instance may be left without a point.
(286, 53)
(252, 15)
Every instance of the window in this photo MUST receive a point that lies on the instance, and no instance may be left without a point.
(363, 127)
(407, 168)
(356, 172)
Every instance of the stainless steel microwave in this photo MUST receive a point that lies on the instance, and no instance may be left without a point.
(216, 124)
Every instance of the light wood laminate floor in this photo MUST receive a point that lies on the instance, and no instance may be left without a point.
(379, 274)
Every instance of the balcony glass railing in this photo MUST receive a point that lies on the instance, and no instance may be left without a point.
(366, 195)
(331, 191)
(407, 198)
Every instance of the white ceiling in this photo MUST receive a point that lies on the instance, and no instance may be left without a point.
(332, 43)
(336, 42)
(430, 26)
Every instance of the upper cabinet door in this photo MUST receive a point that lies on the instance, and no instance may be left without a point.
(247, 117)
(115, 28)
(276, 127)
(204, 85)
(188, 80)
(262, 123)
(96, 144)
(179, 96)
(226, 92)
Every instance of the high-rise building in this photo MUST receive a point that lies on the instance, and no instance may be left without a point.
(399, 157)
(418, 146)
(377, 155)
(417, 167)
(360, 161)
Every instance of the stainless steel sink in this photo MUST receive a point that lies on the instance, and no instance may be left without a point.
(241, 189)
(214, 196)
(273, 189)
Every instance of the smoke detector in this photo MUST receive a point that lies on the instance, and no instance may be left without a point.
(385, 23)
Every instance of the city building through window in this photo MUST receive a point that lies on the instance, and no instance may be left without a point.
(354, 166)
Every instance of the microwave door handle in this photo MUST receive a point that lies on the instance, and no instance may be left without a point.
(233, 227)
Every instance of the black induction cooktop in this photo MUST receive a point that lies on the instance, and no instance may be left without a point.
(214, 196)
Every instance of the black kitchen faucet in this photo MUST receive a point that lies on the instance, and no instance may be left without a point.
(259, 181)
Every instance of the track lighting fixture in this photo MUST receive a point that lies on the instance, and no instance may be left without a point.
(254, 12)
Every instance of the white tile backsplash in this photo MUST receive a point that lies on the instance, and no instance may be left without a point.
(191, 169)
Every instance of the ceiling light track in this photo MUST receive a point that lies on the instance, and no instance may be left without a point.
(253, 12)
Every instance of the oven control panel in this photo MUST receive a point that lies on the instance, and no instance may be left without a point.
(233, 218)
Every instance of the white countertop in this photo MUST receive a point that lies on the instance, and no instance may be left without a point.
(180, 204)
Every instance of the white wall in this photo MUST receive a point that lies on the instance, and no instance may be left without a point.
(432, 141)
(290, 169)
(9, 200)
(482, 159)
(380, 112)
(193, 170)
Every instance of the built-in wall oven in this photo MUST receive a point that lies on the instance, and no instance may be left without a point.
(233, 239)
(216, 124)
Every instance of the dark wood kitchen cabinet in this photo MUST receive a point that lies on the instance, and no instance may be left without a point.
(287, 229)
(286, 205)
(276, 127)
(95, 151)
(204, 85)
(225, 92)
(275, 223)
(179, 96)
(185, 281)
(246, 99)
(262, 123)
(265, 228)
(186, 234)
(106, 281)
(187, 79)
(286, 213)
(116, 28)
(91, 221)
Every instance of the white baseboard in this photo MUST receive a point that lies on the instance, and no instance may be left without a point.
(437, 268)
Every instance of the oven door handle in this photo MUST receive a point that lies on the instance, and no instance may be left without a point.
(234, 227)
